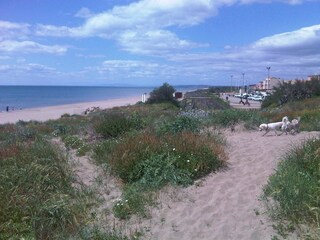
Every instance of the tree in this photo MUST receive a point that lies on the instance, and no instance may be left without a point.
(162, 94)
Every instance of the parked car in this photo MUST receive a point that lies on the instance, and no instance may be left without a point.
(257, 98)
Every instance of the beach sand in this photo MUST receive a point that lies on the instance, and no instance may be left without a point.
(55, 112)
(226, 205)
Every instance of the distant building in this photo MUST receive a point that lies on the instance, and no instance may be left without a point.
(269, 84)
(316, 76)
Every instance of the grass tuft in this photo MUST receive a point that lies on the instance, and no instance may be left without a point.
(295, 187)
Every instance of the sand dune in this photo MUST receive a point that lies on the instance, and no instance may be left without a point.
(222, 206)
(226, 205)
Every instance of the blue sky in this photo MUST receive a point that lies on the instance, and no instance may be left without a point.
(148, 42)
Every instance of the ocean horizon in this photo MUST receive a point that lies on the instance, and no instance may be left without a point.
(23, 97)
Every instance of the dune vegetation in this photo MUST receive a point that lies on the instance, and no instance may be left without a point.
(145, 147)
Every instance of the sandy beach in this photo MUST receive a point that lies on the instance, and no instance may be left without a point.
(226, 205)
(55, 112)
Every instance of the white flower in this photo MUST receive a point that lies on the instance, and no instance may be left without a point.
(173, 149)
(188, 160)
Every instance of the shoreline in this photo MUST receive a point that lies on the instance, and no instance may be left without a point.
(55, 112)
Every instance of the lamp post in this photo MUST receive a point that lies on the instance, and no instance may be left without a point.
(268, 80)
(231, 76)
(243, 81)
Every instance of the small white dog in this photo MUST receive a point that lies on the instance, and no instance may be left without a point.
(294, 126)
(270, 126)
(286, 125)
(281, 126)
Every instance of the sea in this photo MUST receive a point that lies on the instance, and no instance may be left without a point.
(22, 97)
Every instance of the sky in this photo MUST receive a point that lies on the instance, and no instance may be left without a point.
(149, 42)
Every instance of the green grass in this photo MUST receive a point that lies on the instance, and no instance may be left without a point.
(295, 187)
(230, 117)
(37, 198)
(74, 142)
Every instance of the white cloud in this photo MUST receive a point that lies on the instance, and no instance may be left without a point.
(84, 13)
(17, 30)
(126, 68)
(140, 22)
(291, 54)
(27, 68)
(142, 27)
(292, 2)
(154, 42)
(11, 46)
(302, 41)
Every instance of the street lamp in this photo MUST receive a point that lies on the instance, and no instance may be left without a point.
(243, 81)
(268, 80)
(231, 82)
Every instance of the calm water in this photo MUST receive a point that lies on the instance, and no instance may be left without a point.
(38, 96)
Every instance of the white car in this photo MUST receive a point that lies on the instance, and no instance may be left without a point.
(257, 98)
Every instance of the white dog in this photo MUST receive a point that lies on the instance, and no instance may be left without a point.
(274, 126)
(270, 126)
(286, 125)
(294, 126)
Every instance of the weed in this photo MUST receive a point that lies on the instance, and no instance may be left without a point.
(74, 142)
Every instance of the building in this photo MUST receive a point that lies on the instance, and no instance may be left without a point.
(269, 83)
(316, 76)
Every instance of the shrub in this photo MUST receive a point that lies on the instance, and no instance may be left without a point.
(288, 92)
(115, 124)
(162, 94)
(180, 124)
(295, 187)
(196, 154)
(147, 162)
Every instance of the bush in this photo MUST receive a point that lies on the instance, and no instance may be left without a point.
(194, 155)
(162, 94)
(115, 124)
(288, 92)
(180, 124)
(147, 162)
(295, 187)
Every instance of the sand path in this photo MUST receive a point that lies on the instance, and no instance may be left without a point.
(227, 204)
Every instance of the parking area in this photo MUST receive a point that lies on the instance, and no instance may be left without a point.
(235, 102)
